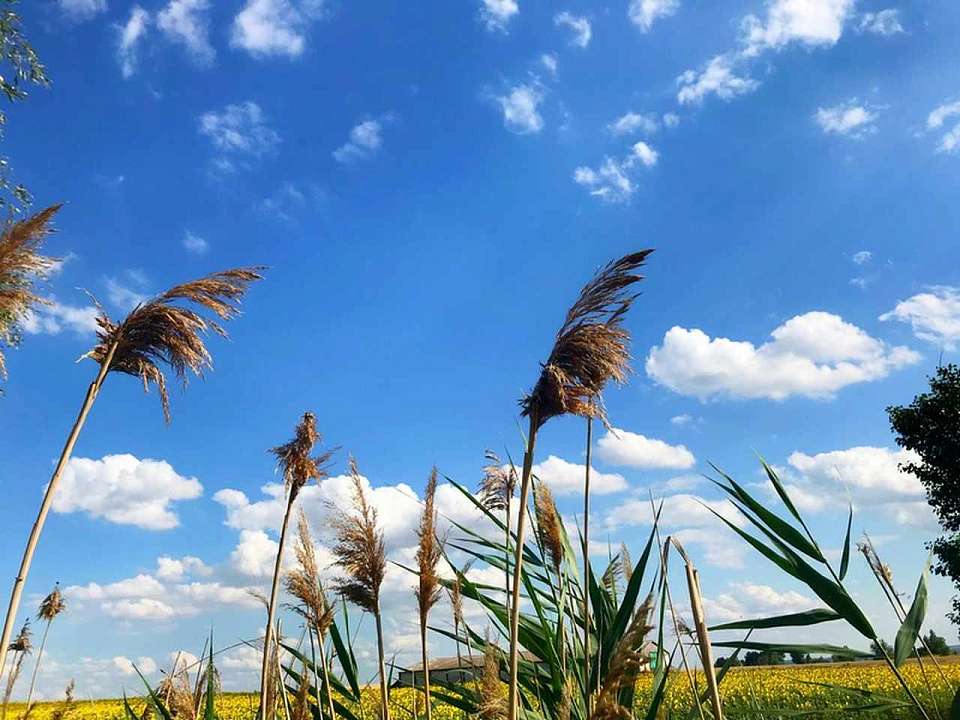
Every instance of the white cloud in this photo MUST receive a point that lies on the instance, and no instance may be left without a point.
(497, 14)
(566, 478)
(950, 141)
(812, 355)
(194, 244)
(365, 139)
(934, 316)
(255, 554)
(237, 132)
(631, 122)
(873, 470)
(125, 490)
(718, 77)
(862, 257)
(130, 36)
(885, 22)
(173, 569)
(266, 28)
(718, 547)
(549, 61)
(53, 317)
(122, 296)
(580, 25)
(851, 118)
(142, 585)
(808, 22)
(684, 419)
(682, 510)
(185, 22)
(620, 447)
(671, 120)
(643, 13)
(611, 181)
(82, 9)
(520, 109)
(142, 609)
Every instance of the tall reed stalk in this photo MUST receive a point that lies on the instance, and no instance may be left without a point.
(51, 606)
(157, 333)
(587, 695)
(21, 647)
(298, 467)
(359, 551)
(589, 350)
(428, 589)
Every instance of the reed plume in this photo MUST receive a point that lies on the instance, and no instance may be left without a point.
(549, 525)
(21, 265)
(428, 589)
(298, 467)
(625, 663)
(65, 706)
(496, 491)
(156, 333)
(304, 584)
(626, 563)
(51, 606)
(359, 551)
(21, 647)
(491, 694)
(589, 350)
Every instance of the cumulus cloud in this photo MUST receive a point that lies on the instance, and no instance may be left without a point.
(80, 10)
(812, 355)
(130, 36)
(810, 22)
(520, 107)
(578, 24)
(934, 316)
(53, 317)
(884, 22)
(497, 14)
(186, 23)
(269, 28)
(681, 510)
(170, 569)
(566, 478)
(238, 133)
(620, 447)
(852, 118)
(718, 77)
(643, 13)
(612, 180)
(125, 490)
(749, 600)
(194, 244)
(366, 138)
(632, 122)
(142, 609)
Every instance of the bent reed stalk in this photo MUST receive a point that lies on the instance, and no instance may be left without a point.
(156, 333)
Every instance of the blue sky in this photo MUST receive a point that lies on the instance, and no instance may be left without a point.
(430, 184)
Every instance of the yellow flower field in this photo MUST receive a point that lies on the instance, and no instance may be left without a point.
(747, 692)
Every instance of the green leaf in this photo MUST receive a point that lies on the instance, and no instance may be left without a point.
(154, 698)
(845, 558)
(906, 640)
(808, 617)
(781, 490)
(955, 707)
(128, 711)
(209, 711)
(788, 648)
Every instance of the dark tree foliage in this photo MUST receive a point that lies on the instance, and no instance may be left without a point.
(936, 644)
(878, 650)
(765, 657)
(930, 426)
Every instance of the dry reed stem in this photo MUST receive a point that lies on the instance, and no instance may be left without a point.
(21, 265)
(428, 588)
(162, 332)
(549, 527)
(491, 692)
(625, 664)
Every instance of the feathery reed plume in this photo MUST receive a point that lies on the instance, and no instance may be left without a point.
(491, 693)
(626, 562)
(497, 487)
(304, 584)
(428, 589)
(625, 662)
(589, 350)
(549, 527)
(51, 606)
(21, 647)
(298, 466)
(21, 264)
(156, 333)
(360, 553)
(65, 707)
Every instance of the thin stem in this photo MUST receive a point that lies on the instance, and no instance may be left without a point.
(271, 609)
(587, 699)
(513, 689)
(36, 667)
(426, 668)
(384, 700)
(326, 677)
(34, 538)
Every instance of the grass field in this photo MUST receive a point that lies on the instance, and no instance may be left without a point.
(758, 692)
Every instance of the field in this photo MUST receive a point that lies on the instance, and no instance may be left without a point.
(760, 692)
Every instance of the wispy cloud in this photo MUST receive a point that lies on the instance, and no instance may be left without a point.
(612, 180)
(195, 244)
(643, 13)
(497, 14)
(520, 107)
(366, 138)
(186, 22)
(853, 119)
(239, 133)
(130, 37)
(270, 28)
(578, 24)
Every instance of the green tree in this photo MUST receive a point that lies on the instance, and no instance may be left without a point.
(800, 658)
(20, 67)
(937, 644)
(930, 427)
(877, 650)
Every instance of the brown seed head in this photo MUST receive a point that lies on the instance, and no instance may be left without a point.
(493, 705)
(498, 483)
(52, 605)
(162, 332)
(21, 265)
(22, 643)
(359, 549)
(304, 582)
(549, 527)
(590, 348)
(625, 664)
(294, 458)
(428, 551)
(626, 562)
